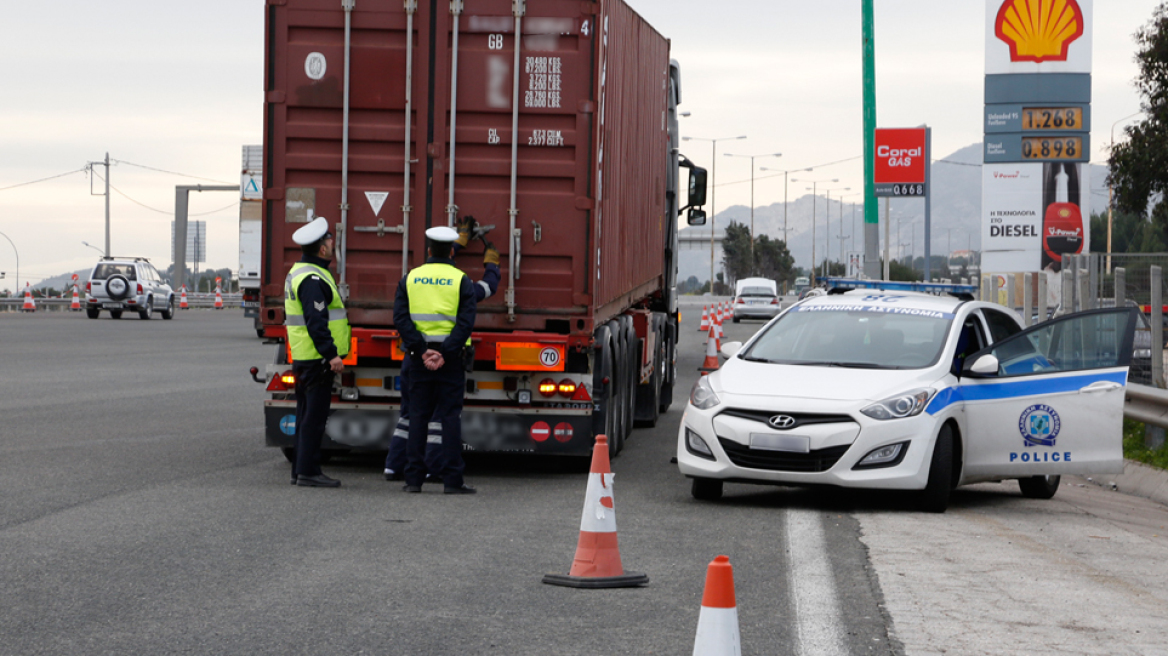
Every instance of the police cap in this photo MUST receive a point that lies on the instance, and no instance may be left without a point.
(315, 231)
(443, 234)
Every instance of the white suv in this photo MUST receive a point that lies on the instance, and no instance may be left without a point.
(118, 284)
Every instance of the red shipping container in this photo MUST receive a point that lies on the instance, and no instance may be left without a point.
(591, 162)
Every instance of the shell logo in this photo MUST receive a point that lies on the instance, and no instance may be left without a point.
(1039, 30)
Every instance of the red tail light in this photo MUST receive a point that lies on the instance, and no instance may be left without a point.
(88, 287)
(547, 387)
(139, 288)
(282, 382)
(567, 388)
(740, 301)
(774, 301)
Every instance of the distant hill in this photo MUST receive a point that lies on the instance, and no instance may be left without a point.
(956, 181)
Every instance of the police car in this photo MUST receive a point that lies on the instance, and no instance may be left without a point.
(911, 391)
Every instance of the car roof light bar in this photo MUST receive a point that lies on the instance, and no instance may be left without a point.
(841, 285)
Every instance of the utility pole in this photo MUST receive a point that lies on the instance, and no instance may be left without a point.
(106, 164)
(871, 213)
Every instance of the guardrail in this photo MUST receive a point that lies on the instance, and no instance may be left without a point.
(202, 301)
(1147, 404)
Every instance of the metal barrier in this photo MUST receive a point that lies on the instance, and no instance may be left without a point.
(1146, 404)
(200, 301)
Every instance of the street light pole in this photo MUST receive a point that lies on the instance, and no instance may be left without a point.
(751, 157)
(814, 184)
(827, 227)
(1111, 191)
(713, 194)
(16, 290)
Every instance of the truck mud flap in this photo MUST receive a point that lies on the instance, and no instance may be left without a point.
(371, 430)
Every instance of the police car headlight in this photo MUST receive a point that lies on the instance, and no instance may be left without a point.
(697, 446)
(703, 397)
(909, 404)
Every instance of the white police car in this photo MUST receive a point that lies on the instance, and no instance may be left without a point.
(911, 391)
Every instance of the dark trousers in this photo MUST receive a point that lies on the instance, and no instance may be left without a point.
(437, 395)
(314, 388)
(395, 460)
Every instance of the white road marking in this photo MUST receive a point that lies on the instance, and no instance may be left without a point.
(818, 628)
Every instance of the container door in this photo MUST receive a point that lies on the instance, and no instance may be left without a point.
(1055, 405)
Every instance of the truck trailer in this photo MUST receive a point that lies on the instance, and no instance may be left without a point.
(555, 121)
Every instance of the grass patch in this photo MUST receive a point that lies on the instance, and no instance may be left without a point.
(1133, 446)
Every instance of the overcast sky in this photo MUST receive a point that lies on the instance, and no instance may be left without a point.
(178, 87)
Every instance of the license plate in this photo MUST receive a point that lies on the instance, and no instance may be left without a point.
(756, 302)
(251, 304)
(112, 306)
(775, 442)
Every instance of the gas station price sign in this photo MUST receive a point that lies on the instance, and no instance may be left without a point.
(1046, 149)
(901, 161)
(1052, 118)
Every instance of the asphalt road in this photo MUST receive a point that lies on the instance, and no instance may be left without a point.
(141, 513)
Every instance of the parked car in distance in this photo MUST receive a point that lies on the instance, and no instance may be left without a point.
(756, 298)
(117, 284)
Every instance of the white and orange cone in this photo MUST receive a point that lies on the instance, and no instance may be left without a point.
(718, 622)
(705, 324)
(29, 304)
(598, 563)
(712, 347)
(75, 304)
(218, 295)
(182, 300)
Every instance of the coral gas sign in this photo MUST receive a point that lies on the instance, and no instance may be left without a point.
(900, 162)
(1038, 36)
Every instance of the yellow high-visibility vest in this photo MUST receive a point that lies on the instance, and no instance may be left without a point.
(434, 290)
(298, 338)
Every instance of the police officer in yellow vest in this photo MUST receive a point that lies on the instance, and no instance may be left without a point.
(319, 338)
(435, 312)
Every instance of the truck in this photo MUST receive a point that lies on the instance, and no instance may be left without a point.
(555, 121)
(250, 234)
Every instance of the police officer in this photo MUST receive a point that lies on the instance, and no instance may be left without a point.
(435, 311)
(319, 337)
(395, 460)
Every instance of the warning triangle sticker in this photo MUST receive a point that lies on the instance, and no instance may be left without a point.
(376, 200)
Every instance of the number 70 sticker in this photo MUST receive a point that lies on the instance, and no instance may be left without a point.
(529, 356)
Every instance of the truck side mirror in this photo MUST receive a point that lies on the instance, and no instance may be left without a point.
(697, 188)
(696, 217)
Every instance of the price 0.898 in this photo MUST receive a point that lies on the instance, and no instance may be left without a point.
(1052, 148)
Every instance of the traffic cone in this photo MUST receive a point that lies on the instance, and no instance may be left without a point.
(218, 296)
(598, 563)
(721, 332)
(712, 347)
(718, 621)
(75, 305)
(29, 304)
(705, 324)
(182, 300)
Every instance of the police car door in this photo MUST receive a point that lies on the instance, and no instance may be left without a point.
(1051, 401)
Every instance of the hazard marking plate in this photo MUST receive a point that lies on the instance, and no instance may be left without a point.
(540, 431)
(563, 432)
(376, 200)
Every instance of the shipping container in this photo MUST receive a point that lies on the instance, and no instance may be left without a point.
(251, 234)
(552, 120)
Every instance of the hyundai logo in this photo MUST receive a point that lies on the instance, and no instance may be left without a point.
(781, 421)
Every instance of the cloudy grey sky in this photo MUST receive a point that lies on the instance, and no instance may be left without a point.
(177, 86)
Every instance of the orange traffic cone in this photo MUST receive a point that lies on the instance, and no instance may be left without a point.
(182, 300)
(705, 324)
(29, 304)
(598, 563)
(718, 622)
(712, 347)
(75, 305)
(218, 296)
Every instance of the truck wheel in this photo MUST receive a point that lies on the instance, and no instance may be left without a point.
(706, 489)
(616, 392)
(670, 368)
(649, 397)
(632, 376)
(935, 497)
(1039, 487)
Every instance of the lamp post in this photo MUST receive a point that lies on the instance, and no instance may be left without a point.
(751, 157)
(851, 234)
(85, 243)
(763, 168)
(713, 193)
(17, 288)
(1111, 190)
(814, 183)
(827, 227)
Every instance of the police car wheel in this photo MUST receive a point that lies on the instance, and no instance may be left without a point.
(1039, 487)
(935, 496)
(706, 489)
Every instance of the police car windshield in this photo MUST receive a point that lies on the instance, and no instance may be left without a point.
(855, 336)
